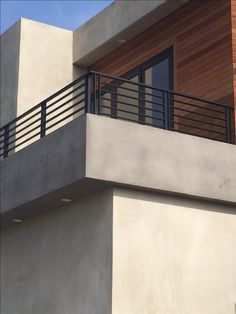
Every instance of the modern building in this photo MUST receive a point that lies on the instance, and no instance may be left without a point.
(118, 162)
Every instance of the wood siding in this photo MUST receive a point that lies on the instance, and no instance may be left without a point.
(201, 35)
(233, 12)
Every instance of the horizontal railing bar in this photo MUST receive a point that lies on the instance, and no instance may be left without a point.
(134, 98)
(65, 110)
(191, 126)
(160, 89)
(24, 128)
(174, 100)
(26, 120)
(131, 105)
(64, 118)
(200, 121)
(198, 106)
(45, 100)
(22, 116)
(64, 96)
(65, 88)
(65, 103)
(200, 114)
(133, 90)
(28, 139)
(136, 113)
(23, 135)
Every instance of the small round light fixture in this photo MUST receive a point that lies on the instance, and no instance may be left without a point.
(17, 220)
(121, 41)
(66, 200)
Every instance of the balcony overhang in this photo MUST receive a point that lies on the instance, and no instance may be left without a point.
(94, 152)
(118, 23)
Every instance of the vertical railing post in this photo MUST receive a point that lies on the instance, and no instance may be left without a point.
(113, 90)
(171, 110)
(88, 93)
(99, 93)
(92, 105)
(93, 82)
(6, 141)
(167, 110)
(228, 124)
(141, 104)
(43, 119)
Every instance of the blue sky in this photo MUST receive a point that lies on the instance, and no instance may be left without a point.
(65, 14)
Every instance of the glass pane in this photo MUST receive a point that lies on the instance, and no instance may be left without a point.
(106, 100)
(157, 76)
(127, 100)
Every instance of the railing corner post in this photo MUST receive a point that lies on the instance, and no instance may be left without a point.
(88, 93)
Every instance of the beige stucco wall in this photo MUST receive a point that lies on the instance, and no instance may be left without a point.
(36, 61)
(172, 255)
(9, 64)
(45, 62)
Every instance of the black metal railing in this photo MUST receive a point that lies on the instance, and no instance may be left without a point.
(119, 98)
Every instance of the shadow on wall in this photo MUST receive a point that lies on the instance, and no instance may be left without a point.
(183, 201)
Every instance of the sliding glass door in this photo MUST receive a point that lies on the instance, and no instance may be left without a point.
(143, 103)
(156, 72)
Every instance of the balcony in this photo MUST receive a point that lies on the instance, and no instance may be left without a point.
(118, 98)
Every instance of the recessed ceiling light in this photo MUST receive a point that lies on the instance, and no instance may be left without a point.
(66, 200)
(121, 41)
(17, 220)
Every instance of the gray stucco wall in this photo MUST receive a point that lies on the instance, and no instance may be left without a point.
(60, 262)
(122, 20)
(132, 154)
(53, 162)
(107, 151)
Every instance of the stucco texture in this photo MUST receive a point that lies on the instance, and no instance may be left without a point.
(172, 255)
(60, 262)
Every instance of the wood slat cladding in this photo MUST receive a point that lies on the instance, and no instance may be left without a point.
(233, 15)
(201, 34)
